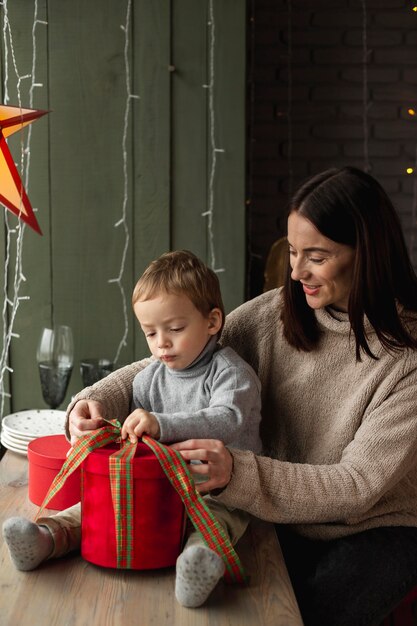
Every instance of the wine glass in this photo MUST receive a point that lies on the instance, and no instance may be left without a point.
(55, 357)
(93, 370)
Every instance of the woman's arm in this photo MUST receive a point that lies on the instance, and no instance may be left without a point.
(376, 475)
(109, 398)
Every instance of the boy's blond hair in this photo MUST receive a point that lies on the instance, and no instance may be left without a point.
(181, 272)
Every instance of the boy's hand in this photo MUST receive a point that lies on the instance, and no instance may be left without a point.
(138, 423)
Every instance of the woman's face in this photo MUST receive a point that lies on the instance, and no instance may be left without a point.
(323, 267)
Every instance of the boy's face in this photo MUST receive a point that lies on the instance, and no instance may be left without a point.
(175, 330)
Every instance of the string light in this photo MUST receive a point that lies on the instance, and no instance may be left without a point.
(214, 149)
(123, 221)
(12, 299)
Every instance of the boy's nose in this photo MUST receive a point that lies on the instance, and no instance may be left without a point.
(163, 341)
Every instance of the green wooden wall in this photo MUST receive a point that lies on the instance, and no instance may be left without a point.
(76, 178)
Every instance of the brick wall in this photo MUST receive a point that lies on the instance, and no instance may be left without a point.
(313, 51)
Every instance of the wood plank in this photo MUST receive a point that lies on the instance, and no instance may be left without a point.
(229, 219)
(70, 590)
(192, 150)
(189, 122)
(88, 95)
(34, 313)
(6, 406)
(152, 130)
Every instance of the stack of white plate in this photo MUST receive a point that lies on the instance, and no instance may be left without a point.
(18, 429)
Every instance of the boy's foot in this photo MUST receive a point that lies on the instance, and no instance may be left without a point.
(28, 543)
(198, 572)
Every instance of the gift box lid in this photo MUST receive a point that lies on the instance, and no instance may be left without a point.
(50, 451)
(144, 461)
(46, 457)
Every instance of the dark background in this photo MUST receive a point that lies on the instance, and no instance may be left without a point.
(329, 84)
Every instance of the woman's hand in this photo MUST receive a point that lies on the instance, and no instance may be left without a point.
(86, 415)
(217, 462)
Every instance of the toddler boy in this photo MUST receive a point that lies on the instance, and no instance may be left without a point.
(193, 389)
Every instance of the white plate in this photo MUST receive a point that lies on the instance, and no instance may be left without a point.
(9, 441)
(35, 423)
(11, 447)
(11, 434)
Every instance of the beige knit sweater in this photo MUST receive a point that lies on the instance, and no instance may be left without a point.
(340, 437)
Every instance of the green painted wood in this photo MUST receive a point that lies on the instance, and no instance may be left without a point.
(229, 216)
(152, 139)
(192, 151)
(189, 122)
(6, 377)
(76, 176)
(32, 314)
(88, 96)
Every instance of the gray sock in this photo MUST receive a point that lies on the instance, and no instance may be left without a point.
(28, 543)
(198, 571)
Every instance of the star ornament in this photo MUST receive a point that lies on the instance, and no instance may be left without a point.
(12, 192)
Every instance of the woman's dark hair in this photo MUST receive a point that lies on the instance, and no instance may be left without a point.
(350, 207)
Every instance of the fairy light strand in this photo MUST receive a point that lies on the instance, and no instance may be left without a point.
(9, 314)
(214, 150)
(122, 222)
(11, 303)
(365, 107)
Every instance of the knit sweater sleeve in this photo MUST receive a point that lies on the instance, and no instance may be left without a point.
(114, 392)
(369, 482)
(380, 457)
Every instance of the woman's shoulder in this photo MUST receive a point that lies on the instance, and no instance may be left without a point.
(262, 306)
(252, 321)
(409, 319)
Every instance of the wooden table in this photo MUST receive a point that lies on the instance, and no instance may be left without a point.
(72, 592)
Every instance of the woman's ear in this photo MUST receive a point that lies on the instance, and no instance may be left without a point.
(215, 319)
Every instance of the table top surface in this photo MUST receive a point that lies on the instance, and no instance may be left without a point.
(70, 591)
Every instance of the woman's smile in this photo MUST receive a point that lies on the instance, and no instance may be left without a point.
(323, 266)
(310, 290)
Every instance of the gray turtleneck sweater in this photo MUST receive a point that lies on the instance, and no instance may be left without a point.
(216, 397)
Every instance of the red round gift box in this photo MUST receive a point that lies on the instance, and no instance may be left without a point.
(46, 456)
(158, 512)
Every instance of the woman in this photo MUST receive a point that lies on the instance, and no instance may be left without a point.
(336, 352)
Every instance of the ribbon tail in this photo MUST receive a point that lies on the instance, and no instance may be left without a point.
(121, 483)
(200, 515)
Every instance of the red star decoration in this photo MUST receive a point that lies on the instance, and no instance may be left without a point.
(12, 192)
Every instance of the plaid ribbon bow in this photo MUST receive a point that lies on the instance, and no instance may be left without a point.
(121, 482)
